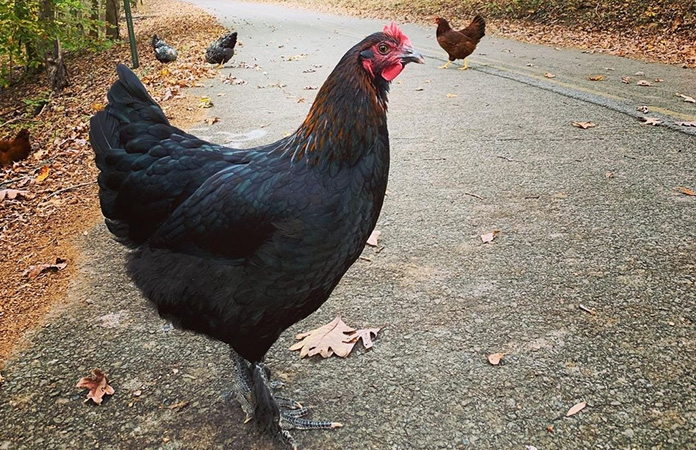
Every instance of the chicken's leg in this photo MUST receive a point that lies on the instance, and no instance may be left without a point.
(465, 66)
(243, 386)
(273, 414)
(446, 65)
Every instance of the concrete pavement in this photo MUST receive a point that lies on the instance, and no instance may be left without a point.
(586, 217)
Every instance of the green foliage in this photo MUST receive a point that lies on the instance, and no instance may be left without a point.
(28, 28)
(36, 102)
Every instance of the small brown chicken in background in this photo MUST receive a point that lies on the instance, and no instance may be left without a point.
(16, 149)
(459, 44)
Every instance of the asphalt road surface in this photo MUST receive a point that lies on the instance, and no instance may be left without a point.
(587, 289)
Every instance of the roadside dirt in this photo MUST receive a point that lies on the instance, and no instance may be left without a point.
(41, 225)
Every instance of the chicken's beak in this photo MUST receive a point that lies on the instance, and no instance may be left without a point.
(410, 55)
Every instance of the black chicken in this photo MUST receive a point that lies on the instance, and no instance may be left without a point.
(241, 244)
(163, 52)
(222, 50)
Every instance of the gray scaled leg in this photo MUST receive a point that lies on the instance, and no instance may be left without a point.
(243, 386)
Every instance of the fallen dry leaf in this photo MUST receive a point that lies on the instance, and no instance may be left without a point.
(35, 271)
(686, 191)
(644, 109)
(644, 83)
(310, 88)
(212, 120)
(333, 338)
(451, 95)
(178, 405)
(626, 80)
(373, 240)
(98, 386)
(596, 78)
(488, 237)
(549, 75)
(686, 124)
(576, 409)
(43, 174)
(584, 125)
(97, 106)
(640, 74)
(654, 121)
(495, 358)
(205, 102)
(365, 335)
(11, 194)
(686, 98)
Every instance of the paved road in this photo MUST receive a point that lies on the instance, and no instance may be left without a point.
(586, 217)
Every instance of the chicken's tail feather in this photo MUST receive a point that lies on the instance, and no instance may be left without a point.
(477, 29)
(147, 166)
(121, 136)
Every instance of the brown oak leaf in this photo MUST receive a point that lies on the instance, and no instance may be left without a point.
(584, 125)
(654, 121)
(98, 386)
(495, 358)
(325, 340)
(333, 338)
(686, 98)
(35, 271)
(488, 237)
(365, 335)
(373, 240)
(11, 194)
(686, 191)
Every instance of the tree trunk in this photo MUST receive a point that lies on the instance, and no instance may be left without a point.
(113, 10)
(32, 54)
(57, 72)
(94, 15)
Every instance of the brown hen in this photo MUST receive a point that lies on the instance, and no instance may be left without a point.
(16, 149)
(459, 44)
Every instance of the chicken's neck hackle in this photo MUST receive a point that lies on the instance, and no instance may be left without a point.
(346, 120)
(442, 26)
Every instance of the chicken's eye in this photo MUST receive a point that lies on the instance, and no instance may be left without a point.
(383, 49)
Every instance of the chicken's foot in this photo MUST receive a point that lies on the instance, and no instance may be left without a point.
(446, 65)
(289, 413)
(465, 66)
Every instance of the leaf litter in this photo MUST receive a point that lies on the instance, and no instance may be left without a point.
(584, 125)
(686, 98)
(373, 240)
(39, 219)
(576, 409)
(488, 237)
(495, 358)
(36, 270)
(98, 386)
(333, 338)
(686, 191)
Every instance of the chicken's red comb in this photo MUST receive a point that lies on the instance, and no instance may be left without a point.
(393, 30)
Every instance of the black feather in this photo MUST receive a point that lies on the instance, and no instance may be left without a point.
(222, 50)
(240, 244)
